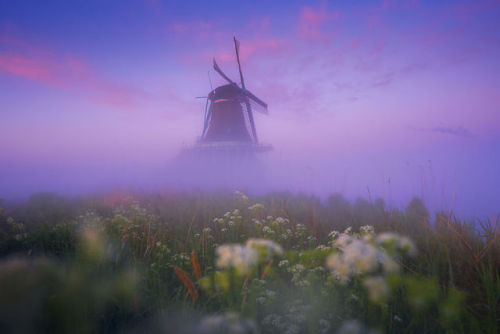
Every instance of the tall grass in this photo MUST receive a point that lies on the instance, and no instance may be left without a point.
(109, 264)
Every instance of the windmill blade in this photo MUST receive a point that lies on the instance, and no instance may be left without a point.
(250, 118)
(237, 49)
(218, 70)
(257, 101)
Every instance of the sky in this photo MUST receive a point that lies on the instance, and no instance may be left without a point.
(389, 99)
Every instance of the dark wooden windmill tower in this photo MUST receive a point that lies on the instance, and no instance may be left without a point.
(225, 154)
(228, 122)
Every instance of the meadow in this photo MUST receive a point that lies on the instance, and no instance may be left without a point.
(232, 263)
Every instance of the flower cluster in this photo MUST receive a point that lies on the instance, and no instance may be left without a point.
(365, 253)
(244, 257)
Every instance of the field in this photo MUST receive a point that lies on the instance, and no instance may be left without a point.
(228, 263)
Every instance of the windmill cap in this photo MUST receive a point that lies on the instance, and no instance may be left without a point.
(229, 91)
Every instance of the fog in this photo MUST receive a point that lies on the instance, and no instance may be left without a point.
(393, 99)
(452, 173)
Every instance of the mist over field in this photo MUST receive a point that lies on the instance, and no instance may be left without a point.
(393, 99)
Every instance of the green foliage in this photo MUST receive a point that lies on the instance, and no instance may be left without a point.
(266, 264)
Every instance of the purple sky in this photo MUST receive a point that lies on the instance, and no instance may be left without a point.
(400, 97)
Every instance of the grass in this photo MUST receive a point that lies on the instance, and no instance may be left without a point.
(156, 263)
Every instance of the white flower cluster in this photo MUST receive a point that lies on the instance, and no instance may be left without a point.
(236, 256)
(265, 248)
(241, 197)
(396, 241)
(364, 253)
(244, 257)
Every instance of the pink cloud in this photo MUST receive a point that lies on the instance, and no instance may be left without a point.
(63, 71)
(249, 48)
(312, 21)
(269, 45)
(19, 65)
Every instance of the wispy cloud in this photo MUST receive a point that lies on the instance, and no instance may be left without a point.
(458, 131)
(64, 71)
(312, 21)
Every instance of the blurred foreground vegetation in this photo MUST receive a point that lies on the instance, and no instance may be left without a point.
(200, 263)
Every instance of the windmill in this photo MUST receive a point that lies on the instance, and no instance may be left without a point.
(229, 120)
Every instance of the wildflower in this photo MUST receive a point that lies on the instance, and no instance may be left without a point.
(377, 287)
(260, 300)
(298, 268)
(323, 248)
(367, 229)
(267, 229)
(303, 283)
(396, 242)
(283, 263)
(207, 230)
(224, 230)
(256, 207)
(265, 248)
(270, 293)
(236, 256)
(340, 269)
(241, 197)
(333, 234)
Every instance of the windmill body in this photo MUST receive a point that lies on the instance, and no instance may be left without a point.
(226, 119)
(229, 123)
(225, 153)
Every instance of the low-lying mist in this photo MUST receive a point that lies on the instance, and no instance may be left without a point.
(458, 177)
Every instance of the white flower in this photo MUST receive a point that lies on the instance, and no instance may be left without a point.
(402, 243)
(265, 248)
(240, 257)
(340, 269)
(367, 229)
(261, 300)
(333, 234)
(323, 248)
(270, 293)
(257, 222)
(267, 229)
(378, 289)
(283, 263)
(303, 283)
(297, 269)
(256, 207)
